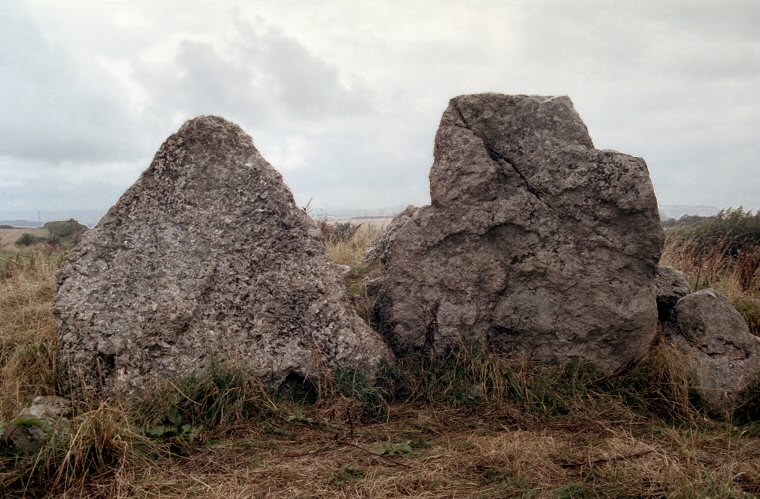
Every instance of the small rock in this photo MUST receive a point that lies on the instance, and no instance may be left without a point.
(344, 270)
(670, 286)
(379, 249)
(723, 356)
(37, 422)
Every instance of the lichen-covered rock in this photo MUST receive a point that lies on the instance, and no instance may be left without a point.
(38, 422)
(205, 258)
(723, 357)
(534, 243)
(670, 286)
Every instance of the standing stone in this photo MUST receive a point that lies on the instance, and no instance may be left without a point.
(723, 357)
(534, 243)
(205, 258)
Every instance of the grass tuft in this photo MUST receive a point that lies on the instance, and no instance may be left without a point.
(96, 443)
(216, 400)
(659, 388)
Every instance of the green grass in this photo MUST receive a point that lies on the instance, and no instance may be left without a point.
(410, 417)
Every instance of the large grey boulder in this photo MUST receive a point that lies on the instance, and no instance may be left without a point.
(723, 357)
(205, 258)
(534, 243)
(670, 286)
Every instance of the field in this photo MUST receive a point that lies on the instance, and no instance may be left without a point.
(8, 238)
(466, 425)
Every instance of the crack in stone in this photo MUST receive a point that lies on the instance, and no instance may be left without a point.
(464, 120)
(499, 158)
(496, 156)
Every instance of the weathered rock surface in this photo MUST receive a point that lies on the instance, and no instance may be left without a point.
(38, 422)
(379, 249)
(670, 286)
(723, 356)
(534, 242)
(206, 257)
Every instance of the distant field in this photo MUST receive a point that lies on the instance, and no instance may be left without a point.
(379, 222)
(8, 237)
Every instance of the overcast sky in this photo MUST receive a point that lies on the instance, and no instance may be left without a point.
(344, 98)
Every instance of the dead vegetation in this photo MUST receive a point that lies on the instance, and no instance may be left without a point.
(722, 253)
(27, 330)
(52, 236)
(463, 425)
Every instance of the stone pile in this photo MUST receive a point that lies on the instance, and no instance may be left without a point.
(722, 356)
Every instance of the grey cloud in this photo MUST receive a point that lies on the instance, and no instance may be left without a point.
(201, 81)
(54, 108)
(352, 122)
(30, 184)
(265, 78)
(65, 116)
(364, 167)
(307, 86)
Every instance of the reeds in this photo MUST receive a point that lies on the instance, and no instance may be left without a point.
(717, 255)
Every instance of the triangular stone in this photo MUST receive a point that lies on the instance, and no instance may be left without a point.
(205, 258)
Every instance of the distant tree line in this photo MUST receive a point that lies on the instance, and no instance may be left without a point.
(731, 231)
(684, 221)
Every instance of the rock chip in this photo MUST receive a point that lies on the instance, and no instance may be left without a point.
(534, 242)
(38, 422)
(205, 258)
(670, 286)
(723, 356)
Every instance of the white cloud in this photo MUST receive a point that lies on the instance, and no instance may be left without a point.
(345, 97)
(54, 107)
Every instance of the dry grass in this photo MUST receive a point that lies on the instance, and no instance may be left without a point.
(466, 425)
(27, 331)
(351, 251)
(455, 455)
(736, 276)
